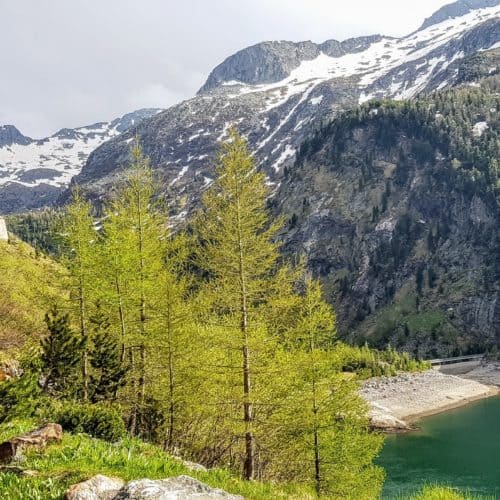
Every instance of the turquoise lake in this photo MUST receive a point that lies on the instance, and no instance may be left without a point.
(459, 448)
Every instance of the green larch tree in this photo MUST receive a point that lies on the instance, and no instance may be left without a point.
(135, 229)
(325, 435)
(80, 240)
(239, 255)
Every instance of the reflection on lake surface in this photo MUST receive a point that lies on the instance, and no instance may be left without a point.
(459, 448)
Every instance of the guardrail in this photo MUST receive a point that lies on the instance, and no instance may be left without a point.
(456, 359)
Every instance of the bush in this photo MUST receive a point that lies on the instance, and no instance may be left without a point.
(103, 422)
(19, 397)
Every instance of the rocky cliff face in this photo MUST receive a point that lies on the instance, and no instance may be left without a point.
(397, 209)
(276, 92)
(457, 9)
(33, 173)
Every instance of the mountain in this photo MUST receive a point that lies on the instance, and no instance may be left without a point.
(276, 92)
(397, 207)
(457, 9)
(382, 154)
(33, 173)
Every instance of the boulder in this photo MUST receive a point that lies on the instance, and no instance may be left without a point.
(9, 370)
(11, 449)
(192, 466)
(175, 488)
(4, 236)
(96, 488)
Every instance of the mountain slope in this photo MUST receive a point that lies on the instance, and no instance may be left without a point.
(34, 172)
(29, 285)
(276, 91)
(397, 207)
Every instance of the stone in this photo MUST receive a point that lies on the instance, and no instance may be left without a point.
(96, 488)
(4, 236)
(18, 471)
(12, 448)
(9, 370)
(175, 488)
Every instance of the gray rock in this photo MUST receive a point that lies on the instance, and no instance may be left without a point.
(176, 488)
(457, 9)
(96, 488)
(10, 135)
(4, 236)
(266, 62)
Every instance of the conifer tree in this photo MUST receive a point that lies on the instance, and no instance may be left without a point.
(135, 230)
(61, 355)
(80, 239)
(174, 355)
(324, 434)
(108, 369)
(239, 254)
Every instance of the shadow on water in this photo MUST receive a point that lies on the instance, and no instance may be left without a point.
(459, 448)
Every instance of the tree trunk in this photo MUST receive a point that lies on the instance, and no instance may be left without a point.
(142, 379)
(317, 458)
(249, 465)
(171, 386)
(83, 333)
(133, 415)
(122, 318)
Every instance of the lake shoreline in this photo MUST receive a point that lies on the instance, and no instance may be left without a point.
(397, 403)
(412, 419)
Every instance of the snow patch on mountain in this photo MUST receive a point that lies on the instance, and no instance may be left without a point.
(55, 160)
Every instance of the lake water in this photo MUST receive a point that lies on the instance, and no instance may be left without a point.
(459, 448)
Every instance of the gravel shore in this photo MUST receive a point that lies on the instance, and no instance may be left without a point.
(398, 401)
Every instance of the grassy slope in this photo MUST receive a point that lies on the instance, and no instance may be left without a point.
(79, 457)
(28, 285)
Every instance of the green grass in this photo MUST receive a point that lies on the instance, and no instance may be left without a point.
(80, 457)
(29, 284)
(426, 320)
(445, 493)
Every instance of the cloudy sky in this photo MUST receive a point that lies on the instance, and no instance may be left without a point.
(67, 63)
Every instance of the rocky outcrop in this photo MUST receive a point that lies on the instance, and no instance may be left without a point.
(4, 235)
(96, 488)
(10, 135)
(457, 9)
(175, 488)
(266, 62)
(12, 449)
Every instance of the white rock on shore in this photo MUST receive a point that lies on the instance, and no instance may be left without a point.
(175, 488)
(397, 401)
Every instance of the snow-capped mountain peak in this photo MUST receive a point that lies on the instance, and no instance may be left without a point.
(275, 91)
(48, 165)
(457, 9)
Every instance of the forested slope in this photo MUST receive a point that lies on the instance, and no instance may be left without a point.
(396, 205)
(29, 283)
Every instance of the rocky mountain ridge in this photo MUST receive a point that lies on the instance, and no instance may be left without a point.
(277, 92)
(34, 172)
